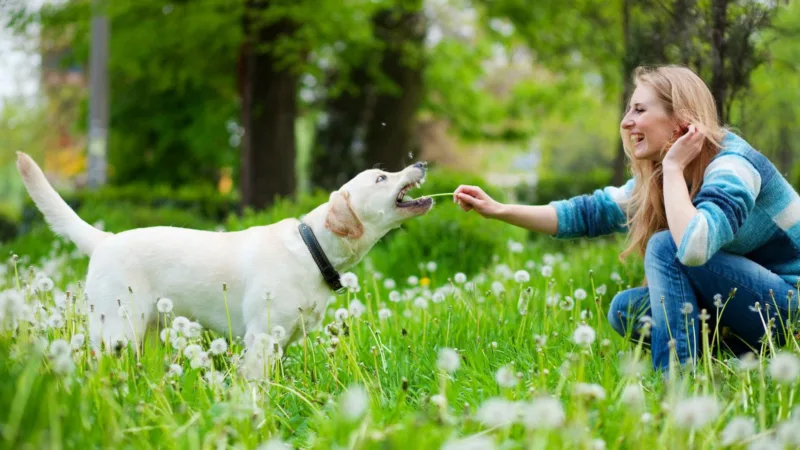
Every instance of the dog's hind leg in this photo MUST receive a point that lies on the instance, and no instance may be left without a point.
(119, 313)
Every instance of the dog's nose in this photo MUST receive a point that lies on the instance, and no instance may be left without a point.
(421, 165)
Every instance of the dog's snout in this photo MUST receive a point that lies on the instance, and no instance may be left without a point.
(421, 165)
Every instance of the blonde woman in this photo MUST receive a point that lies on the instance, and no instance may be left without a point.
(709, 213)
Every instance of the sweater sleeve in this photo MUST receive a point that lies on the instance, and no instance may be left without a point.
(730, 187)
(600, 213)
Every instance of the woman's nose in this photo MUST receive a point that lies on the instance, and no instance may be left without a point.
(627, 123)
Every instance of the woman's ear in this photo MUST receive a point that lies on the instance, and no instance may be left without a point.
(341, 218)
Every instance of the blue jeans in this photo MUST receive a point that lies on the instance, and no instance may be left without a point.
(687, 290)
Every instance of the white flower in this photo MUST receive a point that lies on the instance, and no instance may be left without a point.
(687, 308)
(498, 288)
(59, 348)
(765, 443)
(598, 444)
(601, 290)
(413, 280)
(431, 266)
(543, 413)
(580, 294)
(718, 300)
(167, 334)
(632, 396)
(522, 276)
(448, 360)
(505, 377)
(615, 277)
(737, 430)
(77, 341)
(175, 370)
(354, 402)
(274, 444)
(194, 330)
(56, 321)
(460, 278)
(181, 324)
(394, 296)
(349, 280)
(356, 308)
(164, 305)
(515, 247)
(201, 360)
(584, 335)
(389, 283)
(421, 302)
(278, 332)
(784, 367)
(547, 271)
(63, 364)
(192, 350)
(497, 412)
(178, 343)
(218, 346)
(438, 297)
(590, 390)
(214, 378)
(384, 313)
(695, 412)
(474, 442)
(788, 432)
(342, 314)
(567, 304)
(44, 284)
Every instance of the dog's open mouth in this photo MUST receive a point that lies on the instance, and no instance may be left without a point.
(403, 200)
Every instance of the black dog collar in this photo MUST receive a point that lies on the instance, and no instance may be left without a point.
(330, 274)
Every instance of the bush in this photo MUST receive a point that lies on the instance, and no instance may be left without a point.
(9, 220)
(561, 186)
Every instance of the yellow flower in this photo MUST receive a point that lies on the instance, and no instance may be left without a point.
(425, 281)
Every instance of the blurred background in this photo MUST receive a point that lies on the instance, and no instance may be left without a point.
(221, 114)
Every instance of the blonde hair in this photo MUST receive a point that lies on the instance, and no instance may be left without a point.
(687, 100)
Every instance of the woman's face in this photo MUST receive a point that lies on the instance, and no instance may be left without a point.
(647, 125)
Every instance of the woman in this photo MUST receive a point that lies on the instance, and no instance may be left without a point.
(708, 213)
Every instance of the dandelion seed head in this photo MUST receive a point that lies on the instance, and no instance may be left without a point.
(737, 430)
(695, 412)
(175, 371)
(497, 412)
(687, 308)
(590, 391)
(164, 305)
(784, 367)
(580, 294)
(389, 283)
(384, 313)
(448, 360)
(431, 266)
(342, 314)
(421, 302)
(354, 402)
(394, 296)
(543, 413)
(413, 280)
(505, 377)
(584, 335)
(474, 442)
(632, 396)
(218, 346)
(522, 276)
(438, 297)
(349, 280)
(181, 324)
(460, 278)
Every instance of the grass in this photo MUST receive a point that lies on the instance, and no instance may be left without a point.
(382, 377)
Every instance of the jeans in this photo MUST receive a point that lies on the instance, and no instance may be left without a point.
(675, 320)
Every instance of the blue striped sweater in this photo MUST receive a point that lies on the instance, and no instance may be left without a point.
(745, 207)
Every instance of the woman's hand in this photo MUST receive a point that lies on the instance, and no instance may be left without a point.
(473, 197)
(684, 150)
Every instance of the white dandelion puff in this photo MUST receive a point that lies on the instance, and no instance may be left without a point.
(394, 296)
(632, 396)
(474, 442)
(737, 430)
(522, 276)
(547, 271)
(695, 412)
(44, 284)
(590, 391)
(384, 313)
(718, 300)
(77, 341)
(498, 288)
(687, 308)
(432, 266)
(543, 413)
(181, 324)
(438, 297)
(278, 332)
(201, 361)
(497, 412)
(356, 308)
(460, 278)
(389, 283)
(192, 350)
(59, 348)
(421, 302)
(194, 330)
(505, 377)
(175, 370)
(349, 280)
(580, 294)
(354, 402)
(413, 280)
(164, 305)
(584, 335)
(448, 360)
(784, 367)
(218, 346)
(601, 290)
(342, 314)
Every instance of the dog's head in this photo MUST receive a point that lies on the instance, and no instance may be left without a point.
(376, 201)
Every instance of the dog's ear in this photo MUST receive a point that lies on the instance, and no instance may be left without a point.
(341, 218)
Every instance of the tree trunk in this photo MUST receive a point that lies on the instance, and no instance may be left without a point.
(269, 109)
(719, 82)
(390, 137)
(628, 64)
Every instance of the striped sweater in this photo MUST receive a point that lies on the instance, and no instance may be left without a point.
(745, 207)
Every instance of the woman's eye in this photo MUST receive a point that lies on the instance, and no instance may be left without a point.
(639, 110)
(381, 178)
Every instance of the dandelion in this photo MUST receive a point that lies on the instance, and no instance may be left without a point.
(438, 297)
(718, 300)
(460, 278)
(737, 430)
(413, 280)
(389, 283)
(63, 364)
(474, 442)
(632, 396)
(687, 308)
(590, 391)
(522, 276)
(77, 341)
(278, 332)
(56, 321)
(167, 334)
(342, 314)
(264, 342)
(194, 330)
(274, 444)
(201, 360)
(218, 346)
(505, 377)
(448, 360)
(615, 277)
(784, 367)
(44, 284)
(181, 324)
(356, 308)
(214, 378)
(164, 305)
(431, 266)
(349, 280)
(421, 302)
(584, 335)
(598, 444)
(580, 294)
(695, 412)
(567, 304)
(354, 403)
(192, 350)
(748, 362)
(59, 348)
(515, 247)
(547, 271)
(788, 432)
(178, 342)
(543, 413)
(384, 313)
(601, 290)
(498, 288)
(394, 296)
(174, 371)
(497, 412)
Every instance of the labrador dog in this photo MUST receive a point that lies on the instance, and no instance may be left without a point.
(270, 274)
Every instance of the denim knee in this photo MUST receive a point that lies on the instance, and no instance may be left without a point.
(625, 308)
(660, 247)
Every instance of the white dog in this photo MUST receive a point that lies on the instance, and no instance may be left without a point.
(270, 273)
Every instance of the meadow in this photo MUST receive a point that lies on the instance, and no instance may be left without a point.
(515, 355)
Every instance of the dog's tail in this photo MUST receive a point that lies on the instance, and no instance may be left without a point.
(61, 218)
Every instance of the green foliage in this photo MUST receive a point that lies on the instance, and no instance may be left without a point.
(282, 208)
(561, 186)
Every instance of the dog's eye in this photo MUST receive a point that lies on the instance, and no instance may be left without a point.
(381, 178)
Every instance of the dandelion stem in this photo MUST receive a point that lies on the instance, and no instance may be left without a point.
(439, 195)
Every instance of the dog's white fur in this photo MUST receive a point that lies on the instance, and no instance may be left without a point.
(270, 275)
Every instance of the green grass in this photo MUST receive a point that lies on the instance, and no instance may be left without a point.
(312, 400)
